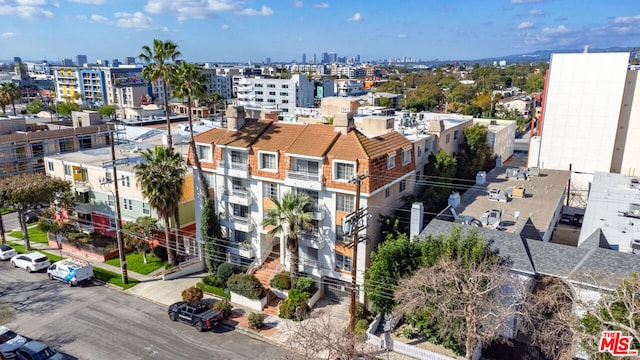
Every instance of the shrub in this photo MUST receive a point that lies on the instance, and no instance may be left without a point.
(361, 311)
(361, 326)
(281, 281)
(295, 306)
(225, 270)
(213, 280)
(407, 332)
(48, 226)
(306, 284)
(161, 253)
(246, 285)
(191, 294)
(213, 290)
(224, 306)
(256, 320)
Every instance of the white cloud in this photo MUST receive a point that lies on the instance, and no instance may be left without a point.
(135, 21)
(90, 2)
(525, 25)
(558, 30)
(321, 5)
(224, 27)
(401, 36)
(99, 19)
(265, 11)
(356, 17)
(626, 24)
(627, 19)
(191, 9)
(28, 9)
(297, 4)
(536, 12)
(8, 34)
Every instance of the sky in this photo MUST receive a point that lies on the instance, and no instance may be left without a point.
(252, 30)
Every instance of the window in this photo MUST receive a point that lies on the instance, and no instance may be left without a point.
(204, 152)
(146, 209)
(108, 176)
(306, 166)
(67, 170)
(257, 85)
(240, 211)
(271, 85)
(282, 93)
(239, 236)
(448, 138)
(343, 263)
(406, 156)
(238, 158)
(50, 165)
(387, 192)
(455, 135)
(270, 190)
(285, 86)
(210, 177)
(419, 151)
(403, 185)
(272, 93)
(128, 204)
(313, 196)
(340, 234)
(259, 92)
(391, 161)
(111, 200)
(345, 203)
(343, 171)
(126, 182)
(271, 100)
(112, 222)
(285, 101)
(66, 145)
(268, 161)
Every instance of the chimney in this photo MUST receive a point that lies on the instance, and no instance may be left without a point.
(235, 117)
(343, 122)
(454, 199)
(436, 126)
(481, 178)
(415, 227)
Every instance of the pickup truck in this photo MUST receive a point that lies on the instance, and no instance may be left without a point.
(198, 314)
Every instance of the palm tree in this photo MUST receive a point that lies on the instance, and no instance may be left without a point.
(161, 177)
(188, 81)
(288, 217)
(10, 92)
(159, 66)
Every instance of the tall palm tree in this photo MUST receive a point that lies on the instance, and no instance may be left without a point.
(289, 216)
(161, 176)
(188, 81)
(10, 92)
(159, 61)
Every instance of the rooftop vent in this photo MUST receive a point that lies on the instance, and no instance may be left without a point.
(634, 183)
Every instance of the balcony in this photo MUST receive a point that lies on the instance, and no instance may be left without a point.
(246, 250)
(234, 169)
(318, 213)
(235, 222)
(238, 196)
(83, 208)
(304, 179)
(312, 239)
(82, 186)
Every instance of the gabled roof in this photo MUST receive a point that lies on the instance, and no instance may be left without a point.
(356, 145)
(279, 137)
(348, 147)
(243, 138)
(315, 140)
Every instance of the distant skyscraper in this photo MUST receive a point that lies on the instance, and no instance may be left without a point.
(358, 58)
(129, 60)
(115, 63)
(81, 60)
(333, 57)
(325, 58)
(315, 61)
(304, 58)
(67, 62)
(268, 61)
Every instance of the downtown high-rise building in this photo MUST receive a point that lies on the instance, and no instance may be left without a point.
(304, 58)
(81, 60)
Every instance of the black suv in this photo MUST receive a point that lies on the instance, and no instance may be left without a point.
(198, 314)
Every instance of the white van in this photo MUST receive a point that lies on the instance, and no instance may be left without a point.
(70, 271)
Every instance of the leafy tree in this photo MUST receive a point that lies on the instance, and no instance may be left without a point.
(27, 191)
(289, 216)
(107, 110)
(188, 81)
(474, 153)
(425, 97)
(159, 66)
(66, 108)
(384, 101)
(535, 83)
(161, 177)
(463, 93)
(35, 107)
(214, 242)
(9, 93)
(137, 233)
(393, 86)
(472, 109)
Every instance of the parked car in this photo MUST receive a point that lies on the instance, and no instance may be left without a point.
(198, 314)
(70, 271)
(33, 261)
(35, 350)
(32, 216)
(9, 342)
(7, 252)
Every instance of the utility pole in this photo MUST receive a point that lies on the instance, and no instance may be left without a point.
(356, 226)
(123, 258)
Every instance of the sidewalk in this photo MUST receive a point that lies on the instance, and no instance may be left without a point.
(277, 331)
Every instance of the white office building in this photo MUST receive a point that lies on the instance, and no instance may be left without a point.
(281, 94)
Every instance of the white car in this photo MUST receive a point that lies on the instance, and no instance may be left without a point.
(33, 261)
(7, 252)
(9, 342)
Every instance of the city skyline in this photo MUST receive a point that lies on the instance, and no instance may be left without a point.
(241, 31)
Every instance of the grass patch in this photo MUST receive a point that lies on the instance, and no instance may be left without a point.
(213, 290)
(21, 250)
(136, 263)
(19, 247)
(35, 235)
(7, 210)
(113, 278)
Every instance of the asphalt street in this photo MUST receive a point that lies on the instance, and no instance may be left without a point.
(98, 322)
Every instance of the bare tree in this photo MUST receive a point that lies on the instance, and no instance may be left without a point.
(548, 318)
(473, 302)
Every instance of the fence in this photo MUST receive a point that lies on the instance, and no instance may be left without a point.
(84, 249)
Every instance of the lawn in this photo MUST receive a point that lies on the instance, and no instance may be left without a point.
(20, 249)
(136, 264)
(113, 278)
(35, 235)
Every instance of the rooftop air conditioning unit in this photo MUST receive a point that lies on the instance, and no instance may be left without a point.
(634, 183)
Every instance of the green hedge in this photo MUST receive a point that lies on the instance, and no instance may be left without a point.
(281, 281)
(213, 290)
(246, 285)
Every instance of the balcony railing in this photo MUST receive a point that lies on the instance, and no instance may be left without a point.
(246, 249)
(311, 239)
(303, 175)
(232, 165)
(82, 186)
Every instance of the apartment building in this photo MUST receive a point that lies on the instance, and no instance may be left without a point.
(501, 136)
(218, 83)
(282, 94)
(523, 105)
(250, 162)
